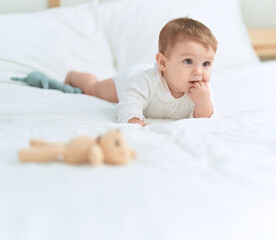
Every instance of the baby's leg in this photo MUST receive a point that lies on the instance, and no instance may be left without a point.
(105, 90)
(90, 85)
(80, 80)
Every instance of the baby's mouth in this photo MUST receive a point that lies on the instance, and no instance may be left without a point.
(196, 79)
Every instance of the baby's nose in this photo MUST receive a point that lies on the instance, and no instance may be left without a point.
(197, 70)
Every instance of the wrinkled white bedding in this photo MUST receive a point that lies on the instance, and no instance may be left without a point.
(192, 179)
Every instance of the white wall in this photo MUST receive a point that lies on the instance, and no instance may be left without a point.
(257, 13)
(10, 6)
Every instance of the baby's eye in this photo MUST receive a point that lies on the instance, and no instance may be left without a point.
(207, 64)
(188, 61)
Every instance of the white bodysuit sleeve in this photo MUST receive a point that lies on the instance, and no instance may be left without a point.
(133, 98)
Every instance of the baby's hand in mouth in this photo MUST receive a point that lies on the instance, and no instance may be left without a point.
(194, 83)
(191, 84)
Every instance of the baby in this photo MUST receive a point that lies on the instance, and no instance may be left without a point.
(175, 87)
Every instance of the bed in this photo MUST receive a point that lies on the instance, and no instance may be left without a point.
(192, 179)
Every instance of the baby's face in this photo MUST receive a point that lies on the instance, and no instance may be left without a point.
(188, 62)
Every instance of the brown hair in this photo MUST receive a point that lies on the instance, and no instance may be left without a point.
(185, 29)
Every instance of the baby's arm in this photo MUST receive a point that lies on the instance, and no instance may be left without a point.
(203, 111)
(137, 121)
(133, 100)
(201, 97)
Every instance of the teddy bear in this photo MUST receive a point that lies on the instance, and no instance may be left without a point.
(39, 79)
(110, 148)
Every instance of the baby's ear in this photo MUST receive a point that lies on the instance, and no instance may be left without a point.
(161, 61)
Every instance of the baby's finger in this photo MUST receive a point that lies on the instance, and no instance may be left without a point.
(196, 84)
(201, 83)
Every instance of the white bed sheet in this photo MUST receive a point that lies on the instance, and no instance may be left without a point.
(192, 178)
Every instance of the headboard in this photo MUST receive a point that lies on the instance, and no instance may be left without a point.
(263, 40)
(53, 3)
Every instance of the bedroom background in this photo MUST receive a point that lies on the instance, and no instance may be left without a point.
(257, 13)
(258, 16)
(208, 179)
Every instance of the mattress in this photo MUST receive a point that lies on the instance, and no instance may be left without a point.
(192, 178)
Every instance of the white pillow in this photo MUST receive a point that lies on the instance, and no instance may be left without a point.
(133, 27)
(55, 41)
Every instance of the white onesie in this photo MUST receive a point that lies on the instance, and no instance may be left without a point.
(144, 93)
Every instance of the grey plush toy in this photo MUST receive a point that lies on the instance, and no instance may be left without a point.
(38, 79)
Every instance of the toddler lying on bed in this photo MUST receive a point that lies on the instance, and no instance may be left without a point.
(175, 87)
